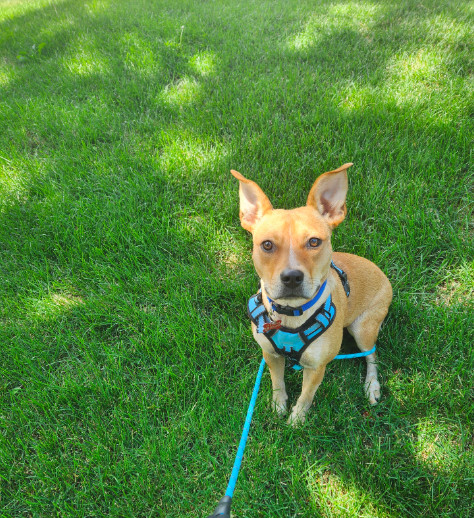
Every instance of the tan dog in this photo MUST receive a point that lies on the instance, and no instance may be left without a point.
(292, 254)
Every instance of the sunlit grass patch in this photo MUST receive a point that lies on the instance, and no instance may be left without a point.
(182, 93)
(410, 78)
(440, 445)
(421, 67)
(357, 97)
(449, 31)
(51, 305)
(94, 7)
(333, 497)
(358, 14)
(458, 287)
(355, 16)
(309, 35)
(415, 81)
(5, 75)
(187, 153)
(232, 258)
(418, 77)
(13, 182)
(204, 62)
(15, 7)
(86, 59)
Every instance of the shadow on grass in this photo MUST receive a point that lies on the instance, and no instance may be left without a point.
(121, 277)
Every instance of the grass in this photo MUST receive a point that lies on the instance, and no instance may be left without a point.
(126, 357)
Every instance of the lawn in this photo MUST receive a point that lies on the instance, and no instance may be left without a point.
(126, 358)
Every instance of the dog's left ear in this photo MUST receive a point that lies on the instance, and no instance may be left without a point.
(254, 203)
(328, 195)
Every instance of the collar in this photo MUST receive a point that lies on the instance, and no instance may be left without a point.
(298, 311)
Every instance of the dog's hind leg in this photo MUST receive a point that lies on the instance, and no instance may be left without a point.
(365, 330)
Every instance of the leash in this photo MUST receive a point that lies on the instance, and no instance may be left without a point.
(355, 355)
(223, 508)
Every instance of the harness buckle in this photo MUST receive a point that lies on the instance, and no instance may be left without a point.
(287, 310)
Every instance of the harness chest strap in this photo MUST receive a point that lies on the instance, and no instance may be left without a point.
(292, 343)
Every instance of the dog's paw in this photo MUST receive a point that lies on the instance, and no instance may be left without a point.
(297, 417)
(372, 390)
(279, 406)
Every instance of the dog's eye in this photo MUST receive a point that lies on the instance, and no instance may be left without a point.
(314, 242)
(267, 246)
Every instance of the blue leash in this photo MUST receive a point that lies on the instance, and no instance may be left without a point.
(355, 355)
(243, 440)
(223, 508)
(297, 366)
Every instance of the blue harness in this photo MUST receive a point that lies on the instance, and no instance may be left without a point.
(292, 343)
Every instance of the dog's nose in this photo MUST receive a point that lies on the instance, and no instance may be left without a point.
(292, 278)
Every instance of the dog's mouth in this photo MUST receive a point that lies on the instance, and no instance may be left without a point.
(287, 295)
(296, 296)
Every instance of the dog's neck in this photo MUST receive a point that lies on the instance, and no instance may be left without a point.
(293, 322)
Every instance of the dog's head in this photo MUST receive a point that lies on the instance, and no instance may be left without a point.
(292, 248)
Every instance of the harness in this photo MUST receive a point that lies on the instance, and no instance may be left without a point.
(292, 343)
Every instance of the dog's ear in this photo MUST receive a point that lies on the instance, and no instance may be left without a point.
(328, 195)
(253, 202)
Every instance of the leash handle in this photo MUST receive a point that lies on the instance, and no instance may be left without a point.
(223, 508)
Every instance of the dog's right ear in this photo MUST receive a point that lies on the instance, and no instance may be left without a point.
(254, 203)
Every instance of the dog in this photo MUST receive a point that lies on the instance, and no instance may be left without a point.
(308, 293)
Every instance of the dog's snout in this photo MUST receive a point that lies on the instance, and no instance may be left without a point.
(292, 278)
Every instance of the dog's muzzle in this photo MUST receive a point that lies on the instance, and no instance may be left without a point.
(292, 278)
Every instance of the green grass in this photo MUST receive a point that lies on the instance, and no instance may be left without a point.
(126, 357)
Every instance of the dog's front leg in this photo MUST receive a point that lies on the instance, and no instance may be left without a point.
(311, 380)
(276, 364)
